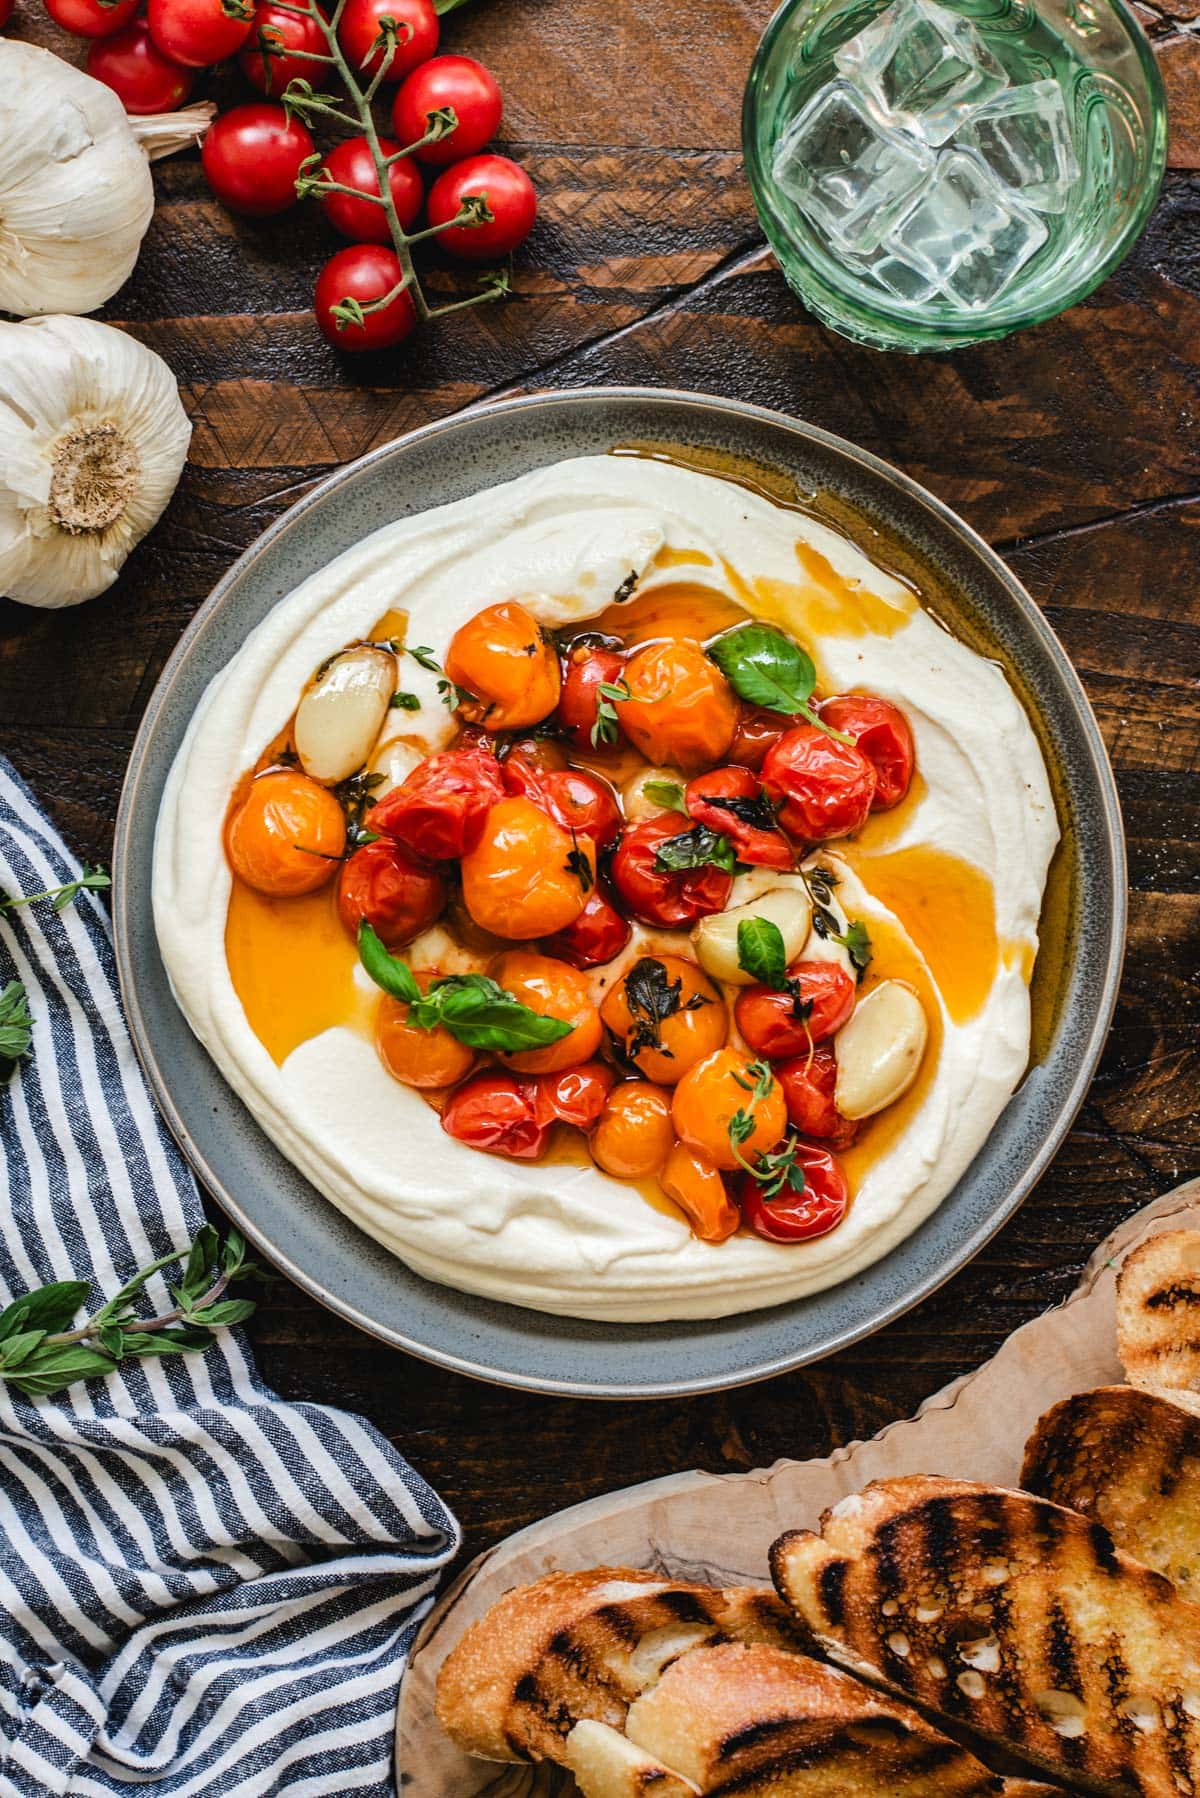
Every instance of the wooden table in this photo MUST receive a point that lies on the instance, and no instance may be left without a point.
(1073, 448)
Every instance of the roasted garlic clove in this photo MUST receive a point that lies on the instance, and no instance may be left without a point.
(341, 713)
(716, 938)
(638, 804)
(879, 1050)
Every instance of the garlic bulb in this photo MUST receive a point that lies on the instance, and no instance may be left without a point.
(75, 188)
(92, 441)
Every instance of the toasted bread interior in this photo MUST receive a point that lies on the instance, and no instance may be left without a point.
(1158, 1312)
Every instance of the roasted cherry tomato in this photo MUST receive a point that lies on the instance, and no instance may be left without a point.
(588, 665)
(498, 1113)
(351, 164)
(459, 83)
(820, 787)
(579, 801)
(366, 272)
(670, 897)
(757, 729)
(797, 1216)
(691, 1181)
(553, 990)
(90, 18)
(681, 710)
(808, 1083)
(542, 753)
(360, 29)
(506, 190)
(634, 1134)
(664, 1016)
(439, 810)
(818, 1000)
(287, 836)
(502, 658)
(397, 895)
(882, 734)
(251, 156)
(732, 801)
(416, 1057)
(576, 1096)
(143, 79)
(198, 33)
(284, 46)
(598, 933)
(527, 877)
(716, 1110)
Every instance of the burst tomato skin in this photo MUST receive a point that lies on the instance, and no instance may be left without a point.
(296, 43)
(439, 811)
(599, 933)
(769, 1022)
(526, 877)
(667, 897)
(577, 800)
(144, 80)
(85, 18)
(397, 895)
(808, 1082)
(499, 1114)
(198, 33)
(455, 81)
(757, 729)
(798, 1217)
(691, 1181)
(365, 272)
(510, 197)
(822, 788)
(762, 847)
(575, 1096)
(287, 836)
(502, 658)
(681, 712)
(351, 165)
(634, 1133)
(251, 156)
(883, 735)
(586, 667)
(358, 31)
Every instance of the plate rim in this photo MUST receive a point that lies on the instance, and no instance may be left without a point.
(462, 1362)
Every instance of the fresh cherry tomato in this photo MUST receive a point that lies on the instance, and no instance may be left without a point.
(365, 272)
(798, 1216)
(351, 164)
(143, 79)
(681, 710)
(820, 787)
(553, 990)
(509, 196)
(757, 729)
(6, 12)
(670, 897)
(416, 36)
(439, 810)
(817, 1002)
(497, 1113)
(423, 1058)
(526, 877)
(579, 801)
(576, 1096)
(731, 800)
(456, 82)
(397, 895)
(723, 1087)
(508, 665)
(808, 1083)
(199, 33)
(882, 733)
(89, 18)
(663, 1016)
(283, 46)
(251, 156)
(634, 1134)
(598, 934)
(691, 1181)
(587, 666)
(287, 836)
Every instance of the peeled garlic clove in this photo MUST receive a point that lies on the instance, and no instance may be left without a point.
(340, 715)
(638, 805)
(716, 938)
(395, 761)
(879, 1050)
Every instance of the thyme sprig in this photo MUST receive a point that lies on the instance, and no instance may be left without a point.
(760, 1085)
(92, 880)
(607, 729)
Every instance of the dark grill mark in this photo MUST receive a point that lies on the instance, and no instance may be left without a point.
(1103, 1549)
(1064, 1669)
(1176, 1294)
(833, 1590)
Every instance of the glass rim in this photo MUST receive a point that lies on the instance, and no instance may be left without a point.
(987, 322)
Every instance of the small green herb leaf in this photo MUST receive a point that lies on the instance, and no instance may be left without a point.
(857, 944)
(667, 793)
(91, 880)
(695, 848)
(49, 1308)
(386, 970)
(607, 729)
(16, 1026)
(406, 702)
(762, 953)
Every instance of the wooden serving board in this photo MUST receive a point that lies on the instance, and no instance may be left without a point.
(718, 1528)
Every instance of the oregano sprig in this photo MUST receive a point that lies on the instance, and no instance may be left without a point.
(92, 880)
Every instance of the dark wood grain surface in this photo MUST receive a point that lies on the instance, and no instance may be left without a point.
(1073, 448)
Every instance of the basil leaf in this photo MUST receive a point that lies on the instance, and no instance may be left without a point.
(668, 793)
(695, 848)
(761, 952)
(766, 668)
(482, 1015)
(386, 970)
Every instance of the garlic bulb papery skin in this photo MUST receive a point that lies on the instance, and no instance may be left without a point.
(93, 438)
(75, 189)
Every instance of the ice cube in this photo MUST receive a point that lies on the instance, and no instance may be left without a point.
(1024, 136)
(897, 275)
(966, 232)
(847, 172)
(925, 67)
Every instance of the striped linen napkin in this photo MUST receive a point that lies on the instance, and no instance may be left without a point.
(202, 1588)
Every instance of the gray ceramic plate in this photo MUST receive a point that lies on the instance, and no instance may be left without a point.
(1075, 989)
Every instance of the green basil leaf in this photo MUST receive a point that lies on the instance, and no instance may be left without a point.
(49, 1308)
(761, 952)
(668, 793)
(386, 970)
(766, 668)
(695, 848)
(482, 1015)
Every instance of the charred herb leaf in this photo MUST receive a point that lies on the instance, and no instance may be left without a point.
(855, 939)
(354, 795)
(651, 998)
(762, 953)
(766, 668)
(472, 1007)
(626, 589)
(755, 810)
(695, 848)
(606, 728)
(578, 864)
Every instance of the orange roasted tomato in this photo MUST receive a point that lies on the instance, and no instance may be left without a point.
(634, 1134)
(525, 877)
(416, 1057)
(664, 1016)
(554, 990)
(691, 1181)
(681, 712)
(397, 895)
(287, 836)
(502, 658)
(730, 1109)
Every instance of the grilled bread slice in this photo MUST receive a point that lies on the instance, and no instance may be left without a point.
(1158, 1312)
(1015, 1617)
(758, 1722)
(584, 1645)
(1131, 1461)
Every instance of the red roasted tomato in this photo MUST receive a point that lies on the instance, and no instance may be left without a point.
(440, 809)
(661, 896)
(398, 896)
(819, 1000)
(498, 1113)
(822, 788)
(576, 1095)
(731, 800)
(757, 729)
(598, 933)
(586, 666)
(882, 734)
(808, 1084)
(797, 1216)
(579, 801)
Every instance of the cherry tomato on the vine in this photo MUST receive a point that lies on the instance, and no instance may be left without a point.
(88, 18)
(282, 46)
(792, 1216)
(366, 273)
(819, 1000)
(809, 1082)
(509, 196)
(251, 156)
(396, 894)
(199, 33)
(459, 83)
(882, 733)
(598, 933)
(821, 788)
(670, 897)
(440, 809)
(143, 79)
(416, 37)
(351, 164)
(575, 1096)
(586, 667)
(499, 1113)
(731, 800)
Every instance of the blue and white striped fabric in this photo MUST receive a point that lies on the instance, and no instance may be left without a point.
(202, 1588)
